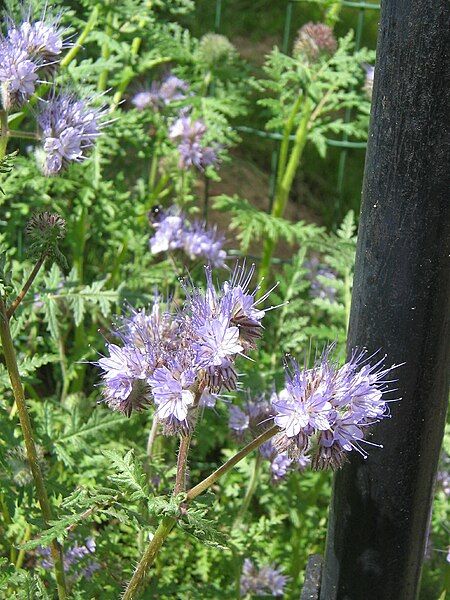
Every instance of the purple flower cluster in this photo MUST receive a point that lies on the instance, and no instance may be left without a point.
(250, 420)
(179, 359)
(161, 93)
(70, 128)
(268, 580)
(27, 49)
(189, 135)
(316, 275)
(77, 559)
(368, 83)
(173, 231)
(327, 409)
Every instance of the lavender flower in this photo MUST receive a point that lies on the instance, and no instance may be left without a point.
(125, 373)
(189, 134)
(177, 359)
(317, 273)
(75, 559)
(70, 128)
(39, 39)
(173, 231)
(368, 83)
(333, 405)
(218, 331)
(202, 242)
(169, 232)
(313, 41)
(172, 393)
(170, 89)
(252, 418)
(18, 75)
(268, 580)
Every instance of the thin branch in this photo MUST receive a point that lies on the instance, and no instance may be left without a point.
(12, 308)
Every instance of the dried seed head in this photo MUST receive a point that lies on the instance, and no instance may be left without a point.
(215, 48)
(313, 41)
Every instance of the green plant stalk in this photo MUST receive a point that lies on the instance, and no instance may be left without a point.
(25, 423)
(65, 61)
(250, 492)
(12, 308)
(22, 551)
(284, 186)
(106, 53)
(7, 520)
(3, 133)
(135, 585)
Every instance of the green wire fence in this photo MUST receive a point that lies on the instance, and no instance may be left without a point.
(344, 143)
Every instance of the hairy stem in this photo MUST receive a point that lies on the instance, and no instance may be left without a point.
(12, 308)
(135, 586)
(3, 133)
(152, 436)
(251, 489)
(25, 423)
(284, 185)
(180, 479)
(22, 551)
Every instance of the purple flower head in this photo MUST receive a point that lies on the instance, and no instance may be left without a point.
(125, 371)
(169, 231)
(18, 75)
(172, 392)
(220, 324)
(331, 405)
(319, 275)
(173, 231)
(280, 466)
(189, 134)
(70, 128)
(170, 89)
(253, 417)
(202, 242)
(39, 39)
(368, 83)
(267, 580)
(77, 559)
(146, 98)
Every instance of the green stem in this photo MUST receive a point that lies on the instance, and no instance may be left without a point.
(231, 462)
(22, 551)
(7, 520)
(106, 53)
(135, 586)
(90, 24)
(12, 308)
(251, 489)
(3, 133)
(153, 170)
(25, 423)
(284, 186)
(180, 479)
(24, 135)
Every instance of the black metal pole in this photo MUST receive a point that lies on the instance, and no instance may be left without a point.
(380, 507)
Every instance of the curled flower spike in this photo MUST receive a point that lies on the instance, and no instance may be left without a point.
(189, 134)
(173, 231)
(215, 49)
(330, 408)
(70, 127)
(268, 580)
(170, 89)
(18, 75)
(179, 359)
